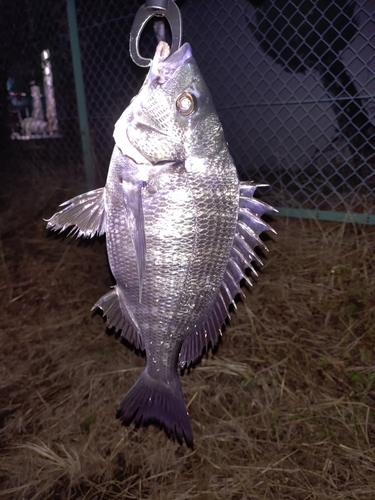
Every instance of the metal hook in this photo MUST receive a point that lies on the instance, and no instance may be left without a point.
(151, 8)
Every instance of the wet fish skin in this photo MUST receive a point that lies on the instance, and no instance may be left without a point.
(180, 231)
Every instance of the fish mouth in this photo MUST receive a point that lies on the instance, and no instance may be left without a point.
(181, 55)
(164, 66)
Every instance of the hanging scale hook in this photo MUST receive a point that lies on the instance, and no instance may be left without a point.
(151, 8)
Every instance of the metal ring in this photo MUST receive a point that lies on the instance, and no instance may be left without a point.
(156, 4)
(144, 14)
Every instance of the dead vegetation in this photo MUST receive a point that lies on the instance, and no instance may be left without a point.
(284, 410)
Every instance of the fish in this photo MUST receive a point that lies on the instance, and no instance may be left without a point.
(181, 231)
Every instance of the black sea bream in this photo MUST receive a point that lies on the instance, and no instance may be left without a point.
(180, 230)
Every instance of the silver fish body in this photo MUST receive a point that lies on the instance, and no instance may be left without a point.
(180, 230)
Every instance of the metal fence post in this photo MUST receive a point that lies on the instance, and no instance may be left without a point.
(88, 159)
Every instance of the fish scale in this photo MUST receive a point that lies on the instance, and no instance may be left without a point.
(180, 230)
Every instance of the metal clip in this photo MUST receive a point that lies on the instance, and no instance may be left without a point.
(151, 8)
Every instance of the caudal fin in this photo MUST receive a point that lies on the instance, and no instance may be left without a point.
(151, 401)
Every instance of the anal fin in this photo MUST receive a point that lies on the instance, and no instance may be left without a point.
(86, 213)
(119, 317)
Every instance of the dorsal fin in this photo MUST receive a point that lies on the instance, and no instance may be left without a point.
(249, 227)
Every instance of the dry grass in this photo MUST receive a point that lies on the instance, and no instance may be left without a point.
(284, 410)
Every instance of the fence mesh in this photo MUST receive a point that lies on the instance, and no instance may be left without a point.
(294, 85)
(293, 82)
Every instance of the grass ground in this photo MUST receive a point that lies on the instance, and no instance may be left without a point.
(284, 410)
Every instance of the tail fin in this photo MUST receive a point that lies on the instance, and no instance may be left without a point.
(151, 401)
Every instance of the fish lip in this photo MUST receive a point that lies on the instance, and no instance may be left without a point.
(180, 56)
(162, 70)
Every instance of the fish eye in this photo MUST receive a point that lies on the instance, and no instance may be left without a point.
(186, 104)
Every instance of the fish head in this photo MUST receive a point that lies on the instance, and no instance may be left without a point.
(173, 115)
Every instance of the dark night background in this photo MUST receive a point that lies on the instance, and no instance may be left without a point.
(292, 81)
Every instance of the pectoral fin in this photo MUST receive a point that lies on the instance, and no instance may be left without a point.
(133, 177)
(86, 213)
(134, 214)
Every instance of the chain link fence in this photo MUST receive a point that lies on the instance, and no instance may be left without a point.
(293, 82)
